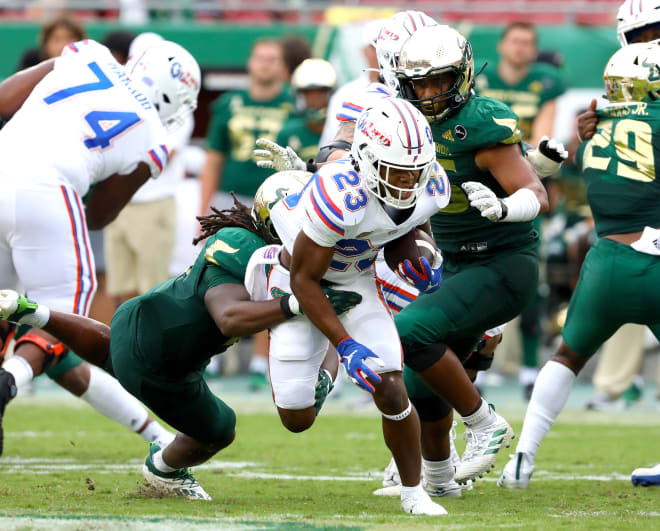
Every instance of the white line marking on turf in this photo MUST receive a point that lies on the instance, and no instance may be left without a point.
(38, 465)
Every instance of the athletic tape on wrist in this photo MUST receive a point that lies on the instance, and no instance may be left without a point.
(399, 416)
(523, 205)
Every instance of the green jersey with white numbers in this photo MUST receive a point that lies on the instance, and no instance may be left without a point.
(459, 228)
(619, 168)
(296, 134)
(174, 327)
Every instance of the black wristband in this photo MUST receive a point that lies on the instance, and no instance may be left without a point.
(284, 306)
(311, 166)
(505, 209)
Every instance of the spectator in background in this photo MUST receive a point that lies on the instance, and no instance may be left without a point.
(139, 243)
(313, 83)
(296, 49)
(119, 44)
(531, 89)
(54, 36)
(238, 118)
(370, 75)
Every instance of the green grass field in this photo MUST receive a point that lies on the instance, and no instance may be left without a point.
(66, 467)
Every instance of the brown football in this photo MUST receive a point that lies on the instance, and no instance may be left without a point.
(411, 246)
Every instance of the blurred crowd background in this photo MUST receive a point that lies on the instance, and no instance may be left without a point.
(258, 81)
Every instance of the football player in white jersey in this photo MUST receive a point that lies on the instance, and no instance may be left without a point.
(80, 123)
(332, 232)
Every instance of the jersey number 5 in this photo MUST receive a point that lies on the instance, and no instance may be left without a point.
(106, 125)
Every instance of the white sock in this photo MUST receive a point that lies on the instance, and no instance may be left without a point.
(258, 364)
(483, 416)
(549, 397)
(407, 492)
(161, 465)
(155, 433)
(437, 472)
(20, 369)
(110, 399)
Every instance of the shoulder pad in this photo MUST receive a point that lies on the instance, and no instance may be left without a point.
(356, 102)
(438, 187)
(488, 122)
(230, 248)
(338, 196)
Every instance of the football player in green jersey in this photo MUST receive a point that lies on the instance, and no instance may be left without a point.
(313, 81)
(487, 239)
(160, 342)
(619, 277)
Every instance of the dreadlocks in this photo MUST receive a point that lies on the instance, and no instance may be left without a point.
(237, 216)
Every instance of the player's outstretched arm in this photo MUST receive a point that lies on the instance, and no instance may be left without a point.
(236, 315)
(88, 338)
(16, 88)
(108, 197)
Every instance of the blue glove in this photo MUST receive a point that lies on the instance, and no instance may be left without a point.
(427, 280)
(352, 354)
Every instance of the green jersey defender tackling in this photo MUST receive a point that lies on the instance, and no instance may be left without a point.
(160, 342)
(619, 277)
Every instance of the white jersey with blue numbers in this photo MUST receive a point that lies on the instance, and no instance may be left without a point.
(335, 209)
(82, 123)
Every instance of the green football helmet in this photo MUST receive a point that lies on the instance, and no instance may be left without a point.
(633, 73)
(272, 190)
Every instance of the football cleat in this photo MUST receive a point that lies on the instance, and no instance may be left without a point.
(419, 502)
(323, 387)
(7, 392)
(482, 448)
(518, 472)
(179, 483)
(14, 306)
(391, 475)
(447, 489)
(646, 477)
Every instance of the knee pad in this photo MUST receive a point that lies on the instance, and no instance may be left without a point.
(419, 357)
(326, 150)
(431, 409)
(53, 350)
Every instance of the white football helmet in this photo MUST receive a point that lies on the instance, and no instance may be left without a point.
(170, 77)
(393, 134)
(435, 52)
(309, 75)
(270, 192)
(633, 73)
(636, 15)
(392, 36)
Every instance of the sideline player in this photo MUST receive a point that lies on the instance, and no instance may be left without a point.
(95, 126)
(160, 342)
(618, 166)
(332, 232)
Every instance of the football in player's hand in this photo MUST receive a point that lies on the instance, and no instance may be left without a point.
(411, 246)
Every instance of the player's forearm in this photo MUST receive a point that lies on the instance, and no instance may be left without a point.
(15, 89)
(246, 317)
(317, 308)
(88, 338)
(111, 195)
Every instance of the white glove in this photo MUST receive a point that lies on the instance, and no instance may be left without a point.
(8, 303)
(548, 157)
(274, 156)
(484, 199)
